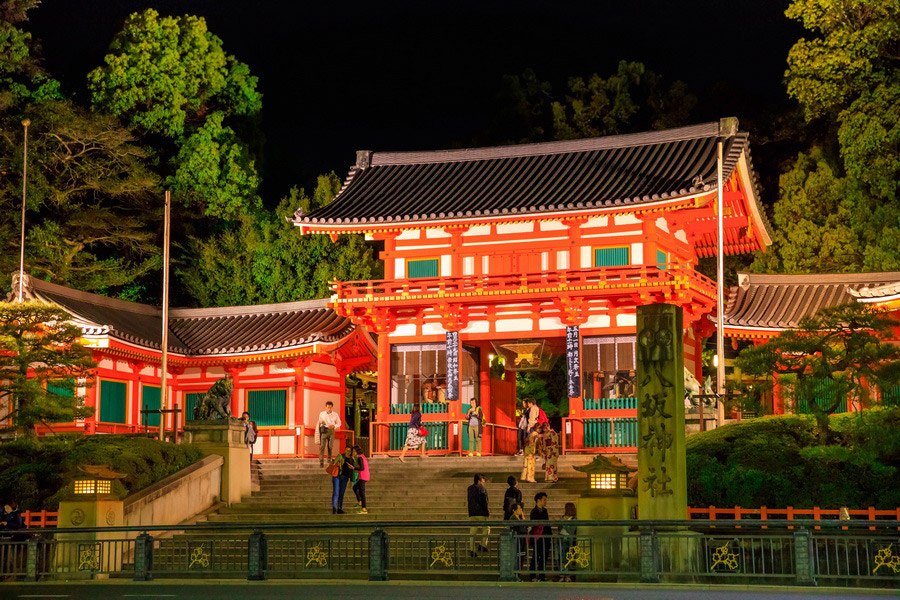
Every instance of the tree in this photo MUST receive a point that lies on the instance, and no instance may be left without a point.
(170, 80)
(41, 362)
(846, 76)
(265, 259)
(632, 99)
(164, 74)
(837, 354)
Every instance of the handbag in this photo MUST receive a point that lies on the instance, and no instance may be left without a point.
(423, 432)
(333, 469)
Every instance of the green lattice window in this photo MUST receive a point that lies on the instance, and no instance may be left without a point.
(62, 388)
(150, 401)
(113, 401)
(611, 257)
(268, 408)
(422, 268)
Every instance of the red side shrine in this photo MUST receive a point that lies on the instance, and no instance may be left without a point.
(507, 247)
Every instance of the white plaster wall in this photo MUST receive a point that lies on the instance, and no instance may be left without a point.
(626, 320)
(433, 329)
(627, 220)
(681, 236)
(597, 222)
(597, 321)
(553, 323)
(409, 234)
(477, 327)
(399, 268)
(562, 259)
(662, 224)
(637, 253)
(552, 226)
(436, 233)
(514, 325)
(405, 329)
(468, 265)
(587, 260)
(254, 370)
(515, 228)
(446, 266)
(478, 230)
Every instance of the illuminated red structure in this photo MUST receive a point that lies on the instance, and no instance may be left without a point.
(497, 251)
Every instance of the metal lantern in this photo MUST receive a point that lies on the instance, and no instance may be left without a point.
(607, 476)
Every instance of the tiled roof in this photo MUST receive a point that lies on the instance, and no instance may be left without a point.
(621, 170)
(198, 332)
(781, 301)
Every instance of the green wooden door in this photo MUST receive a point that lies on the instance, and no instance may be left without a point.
(113, 401)
(150, 395)
(611, 257)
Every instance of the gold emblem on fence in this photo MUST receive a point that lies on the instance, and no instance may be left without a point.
(723, 557)
(578, 556)
(441, 554)
(199, 558)
(886, 558)
(88, 558)
(317, 555)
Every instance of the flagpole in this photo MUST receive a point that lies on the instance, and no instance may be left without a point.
(720, 290)
(25, 124)
(164, 367)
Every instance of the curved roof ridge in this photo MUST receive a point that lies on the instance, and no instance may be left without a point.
(543, 148)
(40, 285)
(815, 278)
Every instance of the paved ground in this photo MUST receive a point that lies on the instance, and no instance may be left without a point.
(312, 590)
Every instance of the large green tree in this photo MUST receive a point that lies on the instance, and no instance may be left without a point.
(265, 259)
(846, 78)
(170, 79)
(90, 218)
(41, 362)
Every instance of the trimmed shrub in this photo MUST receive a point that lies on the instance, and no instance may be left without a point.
(37, 472)
(779, 461)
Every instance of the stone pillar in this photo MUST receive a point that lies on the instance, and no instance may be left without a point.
(89, 552)
(662, 485)
(225, 438)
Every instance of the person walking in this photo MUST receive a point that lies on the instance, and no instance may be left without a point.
(329, 421)
(414, 435)
(476, 427)
(362, 477)
(549, 447)
(477, 500)
(567, 541)
(540, 538)
(511, 497)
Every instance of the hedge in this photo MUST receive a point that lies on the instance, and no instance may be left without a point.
(780, 461)
(37, 472)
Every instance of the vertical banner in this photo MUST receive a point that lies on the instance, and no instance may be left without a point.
(573, 361)
(452, 365)
(662, 485)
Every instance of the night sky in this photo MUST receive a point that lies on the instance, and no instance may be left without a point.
(406, 75)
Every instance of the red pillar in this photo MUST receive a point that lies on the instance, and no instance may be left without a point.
(484, 393)
(384, 392)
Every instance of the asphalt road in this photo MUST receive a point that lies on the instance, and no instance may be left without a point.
(230, 590)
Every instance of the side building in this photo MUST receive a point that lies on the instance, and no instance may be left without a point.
(500, 260)
(286, 361)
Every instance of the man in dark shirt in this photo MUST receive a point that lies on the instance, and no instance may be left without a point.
(478, 511)
(512, 496)
(540, 539)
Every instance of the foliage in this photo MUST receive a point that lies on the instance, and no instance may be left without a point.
(780, 461)
(265, 259)
(835, 354)
(37, 472)
(165, 73)
(847, 77)
(38, 347)
(631, 99)
(547, 388)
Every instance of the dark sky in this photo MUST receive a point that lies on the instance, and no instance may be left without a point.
(404, 75)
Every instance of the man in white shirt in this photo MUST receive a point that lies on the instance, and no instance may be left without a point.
(328, 422)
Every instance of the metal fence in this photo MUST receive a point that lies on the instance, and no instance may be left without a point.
(858, 553)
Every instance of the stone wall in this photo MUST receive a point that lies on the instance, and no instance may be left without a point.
(179, 497)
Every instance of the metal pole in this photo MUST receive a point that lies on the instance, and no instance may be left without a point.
(720, 289)
(25, 124)
(164, 367)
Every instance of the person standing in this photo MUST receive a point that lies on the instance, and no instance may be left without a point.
(477, 500)
(414, 437)
(540, 538)
(476, 427)
(347, 465)
(511, 497)
(359, 488)
(522, 432)
(329, 421)
(250, 432)
(521, 534)
(567, 541)
(550, 451)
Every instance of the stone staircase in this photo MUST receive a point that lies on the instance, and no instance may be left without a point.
(434, 488)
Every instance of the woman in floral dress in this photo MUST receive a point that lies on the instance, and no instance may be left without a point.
(550, 451)
(414, 439)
